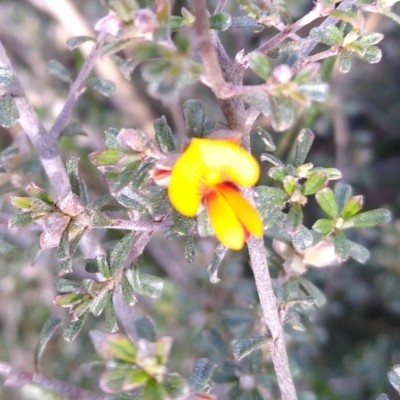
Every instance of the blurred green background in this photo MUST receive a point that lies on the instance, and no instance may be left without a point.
(350, 343)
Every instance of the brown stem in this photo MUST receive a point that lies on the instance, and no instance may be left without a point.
(77, 86)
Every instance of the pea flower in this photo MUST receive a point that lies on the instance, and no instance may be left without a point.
(209, 173)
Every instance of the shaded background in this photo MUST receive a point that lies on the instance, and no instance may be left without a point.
(350, 343)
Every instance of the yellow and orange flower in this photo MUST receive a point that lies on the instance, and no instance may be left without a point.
(209, 173)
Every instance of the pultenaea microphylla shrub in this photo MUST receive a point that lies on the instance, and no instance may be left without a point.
(208, 185)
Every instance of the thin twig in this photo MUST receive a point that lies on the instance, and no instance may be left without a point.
(308, 44)
(215, 79)
(73, 392)
(220, 6)
(77, 87)
(45, 145)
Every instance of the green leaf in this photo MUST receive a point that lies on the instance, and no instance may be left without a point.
(326, 200)
(259, 64)
(22, 219)
(289, 184)
(352, 207)
(113, 381)
(213, 336)
(189, 252)
(349, 16)
(216, 261)
(194, 114)
(344, 62)
(101, 85)
(127, 292)
(245, 346)
(294, 219)
(9, 113)
(67, 300)
(145, 329)
(132, 199)
(122, 348)
(377, 217)
(267, 196)
(174, 385)
(316, 294)
(304, 142)
(164, 137)
(39, 193)
(111, 318)
(277, 173)
(104, 157)
(315, 91)
(153, 390)
(204, 227)
(342, 194)
(110, 139)
(146, 284)
(302, 238)
(73, 174)
(127, 174)
(342, 248)
(372, 55)
(120, 251)
(282, 113)
(76, 41)
(63, 285)
(266, 138)
(272, 159)
(394, 377)
(236, 317)
(201, 375)
(182, 224)
(115, 46)
(358, 252)
(102, 266)
(57, 69)
(220, 22)
(46, 333)
(314, 183)
(330, 35)
(369, 39)
(73, 328)
(99, 302)
(324, 226)
(6, 77)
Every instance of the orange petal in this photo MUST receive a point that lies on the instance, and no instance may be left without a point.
(227, 227)
(244, 211)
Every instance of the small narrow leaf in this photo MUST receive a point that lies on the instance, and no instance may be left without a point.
(39, 193)
(57, 69)
(127, 292)
(352, 207)
(266, 138)
(314, 183)
(73, 174)
(194, 114)
(316, 294)
(164, 137)
(190, 253)
(344, 62)
(342, 248)
(216, 261)
(304, 142)
(104, 157)
(45, 335)
(272, 159)
(72, 330)
(371, 218)
(145, 329)
(326, 200)
(63, 285)
(259, 64)
(111, 318)
(342, 194)
(358, 252)
(76, 41)
(201, 375)
(330, 35)
(120, 251)
(174, 385)
(99, 302)
(324, 226)
(394, 377)
(153, 390)
(245, 346)
(9, 113)
(220, 22)
(101, 85)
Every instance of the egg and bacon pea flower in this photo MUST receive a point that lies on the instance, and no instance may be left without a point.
(209, 173)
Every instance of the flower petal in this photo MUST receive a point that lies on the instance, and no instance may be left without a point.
(227, 162)
(185, 188)
(227, 227)
(244, 211)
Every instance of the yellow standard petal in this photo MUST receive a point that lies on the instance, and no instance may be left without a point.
(227, 227)
(244, 211)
